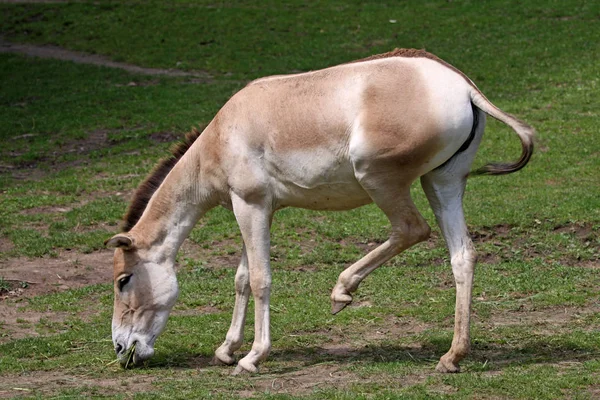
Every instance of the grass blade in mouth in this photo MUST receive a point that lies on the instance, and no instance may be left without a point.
(130, 354)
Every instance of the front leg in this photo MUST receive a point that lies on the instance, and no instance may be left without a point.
(254, 220)
(235, 334)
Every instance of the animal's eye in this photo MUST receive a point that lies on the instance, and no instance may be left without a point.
(123, 281)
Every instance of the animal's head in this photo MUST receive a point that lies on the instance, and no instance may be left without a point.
(145, 291)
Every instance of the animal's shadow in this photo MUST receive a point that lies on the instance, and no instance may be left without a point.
(489, 357)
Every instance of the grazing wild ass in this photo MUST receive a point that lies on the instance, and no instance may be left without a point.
(333, 139)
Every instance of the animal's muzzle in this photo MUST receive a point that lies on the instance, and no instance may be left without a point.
(120, 349)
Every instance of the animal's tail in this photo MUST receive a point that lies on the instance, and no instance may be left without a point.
(526, 135)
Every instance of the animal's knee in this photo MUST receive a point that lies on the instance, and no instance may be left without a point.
(463, 263)
(407, 234)
(242, 281)
(260, 285)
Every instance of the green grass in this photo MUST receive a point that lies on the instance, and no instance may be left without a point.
(77, 139)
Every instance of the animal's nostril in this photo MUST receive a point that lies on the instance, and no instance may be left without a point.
(119, 348)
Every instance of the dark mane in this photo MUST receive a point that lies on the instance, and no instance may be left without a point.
(153, 181)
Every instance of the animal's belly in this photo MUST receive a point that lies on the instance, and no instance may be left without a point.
(317, 180)
(334, 196)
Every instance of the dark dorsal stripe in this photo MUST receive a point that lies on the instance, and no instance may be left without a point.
(415, 53)
(145, 191)
(400, 53)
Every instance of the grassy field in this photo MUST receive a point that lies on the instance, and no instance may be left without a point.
(77, 139)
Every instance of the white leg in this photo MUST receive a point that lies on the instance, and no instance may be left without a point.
(445, 197)
(444, 188)
(408, 228)
(235, 334)
(254, 221)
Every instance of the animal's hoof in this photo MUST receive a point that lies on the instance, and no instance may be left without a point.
(447, 367)
(244, 369)
(340, 298)
(218, 362)
(222, 358)
(239, 371)
(337, 306)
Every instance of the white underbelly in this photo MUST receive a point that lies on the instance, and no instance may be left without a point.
(335, 196)
(316, 180)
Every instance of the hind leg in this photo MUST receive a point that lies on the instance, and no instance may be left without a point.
(408, 228)
(444, 188)
(445, 197)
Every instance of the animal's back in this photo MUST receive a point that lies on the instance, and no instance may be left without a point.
(310, 131)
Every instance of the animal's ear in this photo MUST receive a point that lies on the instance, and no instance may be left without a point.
(122, 241)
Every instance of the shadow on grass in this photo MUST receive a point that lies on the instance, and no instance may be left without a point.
(485, 357)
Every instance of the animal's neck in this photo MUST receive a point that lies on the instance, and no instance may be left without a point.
(173, 210)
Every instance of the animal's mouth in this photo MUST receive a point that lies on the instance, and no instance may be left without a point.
(137, 354)
(129, 359)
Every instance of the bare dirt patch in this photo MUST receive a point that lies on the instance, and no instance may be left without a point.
(591, 264)
(490, 234)
(46, 383)
(575, 243)
(67, 271)
(165, 137)
(19, 323)
(32, 277)
(376, 339)
(219, 258)
(303, 381)
(551, 317)
(93, 141)
(537, 343)
(59, 53)
(6, 245)
(46, 210)
(583, 231)
(309, 369)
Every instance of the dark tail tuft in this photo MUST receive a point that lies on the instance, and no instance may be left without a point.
(506, 168)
